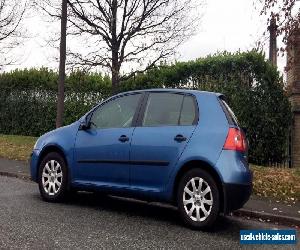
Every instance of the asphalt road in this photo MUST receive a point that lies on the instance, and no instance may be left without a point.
(93, 221)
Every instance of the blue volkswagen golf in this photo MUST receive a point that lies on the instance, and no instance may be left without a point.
(183, 147)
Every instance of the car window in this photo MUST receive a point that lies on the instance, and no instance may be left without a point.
(117, 113)
(188, 113)
(162, 109)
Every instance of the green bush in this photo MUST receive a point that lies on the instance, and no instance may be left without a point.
(253, 87)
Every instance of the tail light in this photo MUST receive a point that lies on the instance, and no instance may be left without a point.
(235, 140)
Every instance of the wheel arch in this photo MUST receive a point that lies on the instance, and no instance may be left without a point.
(201, 165)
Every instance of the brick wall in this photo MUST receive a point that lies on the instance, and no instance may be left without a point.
(296, 141)
(293, 81)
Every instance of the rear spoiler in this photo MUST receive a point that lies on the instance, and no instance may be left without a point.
(221, 96)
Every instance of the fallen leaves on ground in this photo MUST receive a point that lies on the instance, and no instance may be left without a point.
(282, 184)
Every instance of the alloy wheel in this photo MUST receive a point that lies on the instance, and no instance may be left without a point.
(52, 177)
(197, 199)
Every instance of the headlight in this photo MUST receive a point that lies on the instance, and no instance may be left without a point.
(35, 145)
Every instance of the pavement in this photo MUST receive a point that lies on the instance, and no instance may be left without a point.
(94, 221)
(257, 208)
(13, 168)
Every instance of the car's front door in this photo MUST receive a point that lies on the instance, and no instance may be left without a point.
(102, 152)
(168, 122)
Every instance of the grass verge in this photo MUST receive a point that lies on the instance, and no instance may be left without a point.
(279, 183)
(16, 147)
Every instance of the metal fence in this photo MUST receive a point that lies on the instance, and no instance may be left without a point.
(287, 162)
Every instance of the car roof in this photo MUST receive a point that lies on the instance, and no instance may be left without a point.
(188, 91)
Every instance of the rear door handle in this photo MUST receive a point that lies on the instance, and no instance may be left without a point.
(123, 138)
(179, 138)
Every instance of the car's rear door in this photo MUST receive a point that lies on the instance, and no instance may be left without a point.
(166, 122)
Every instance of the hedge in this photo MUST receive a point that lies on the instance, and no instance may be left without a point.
(253, 87)
(28, 99)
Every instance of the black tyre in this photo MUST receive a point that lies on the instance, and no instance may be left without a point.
(198, 199)
(53, 177)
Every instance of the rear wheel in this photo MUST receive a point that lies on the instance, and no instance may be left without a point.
(198, 199)
(53, 177)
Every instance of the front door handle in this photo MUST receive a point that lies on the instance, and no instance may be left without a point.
(123, 138)
(179, 138)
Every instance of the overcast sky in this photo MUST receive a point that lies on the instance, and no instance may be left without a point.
(226, 25)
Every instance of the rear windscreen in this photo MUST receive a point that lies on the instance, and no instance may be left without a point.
(232, 120)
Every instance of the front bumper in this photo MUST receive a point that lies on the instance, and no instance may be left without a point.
(34, 164)
(235, 196)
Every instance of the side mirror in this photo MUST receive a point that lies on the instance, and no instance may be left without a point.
(84, 125)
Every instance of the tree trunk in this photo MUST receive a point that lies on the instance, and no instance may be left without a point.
(115, 79)
(62, 66)
(115, 68)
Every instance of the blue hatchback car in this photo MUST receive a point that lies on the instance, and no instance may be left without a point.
(178, 146)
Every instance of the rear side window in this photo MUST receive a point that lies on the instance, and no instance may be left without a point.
(232, 120)
(162, 109)
(188, 113)
(169, 109)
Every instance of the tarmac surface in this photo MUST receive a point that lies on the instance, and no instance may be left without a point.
(89, 221)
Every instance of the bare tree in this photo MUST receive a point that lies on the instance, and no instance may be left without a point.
(135, 31)
(126, 35)
(11, 14)
(286, 14)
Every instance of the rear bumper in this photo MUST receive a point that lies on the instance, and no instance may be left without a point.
(235, 196)
(236, 179)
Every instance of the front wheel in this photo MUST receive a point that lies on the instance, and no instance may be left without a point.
(53, 177)
(198, 199)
